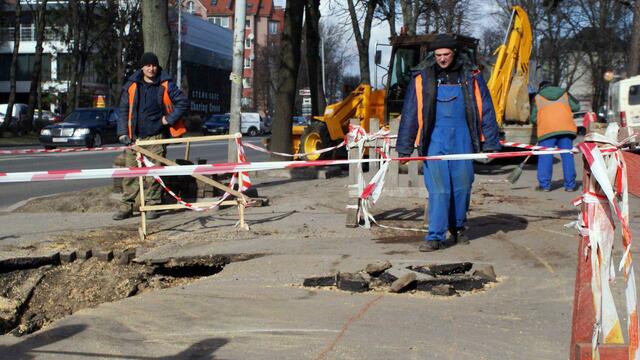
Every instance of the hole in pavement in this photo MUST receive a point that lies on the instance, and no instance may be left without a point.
(37, 291)
(438, 279)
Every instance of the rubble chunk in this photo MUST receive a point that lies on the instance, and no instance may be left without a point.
(442, 269)
(68, 257)
(352, 282)
(486, 272)
(377, 268)
(320, 281)
(403, 283)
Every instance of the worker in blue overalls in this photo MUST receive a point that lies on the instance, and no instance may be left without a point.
(447, 110)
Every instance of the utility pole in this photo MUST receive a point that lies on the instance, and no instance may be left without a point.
(179, 75)
(236, 75)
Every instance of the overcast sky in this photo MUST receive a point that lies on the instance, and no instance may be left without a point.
(380, 32)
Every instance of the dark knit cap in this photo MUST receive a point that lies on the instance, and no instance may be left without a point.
(444, 41)
(149, 58)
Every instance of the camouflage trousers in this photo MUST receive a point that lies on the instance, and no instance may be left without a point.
(131, 186)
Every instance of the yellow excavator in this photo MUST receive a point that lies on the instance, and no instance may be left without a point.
(508, 85)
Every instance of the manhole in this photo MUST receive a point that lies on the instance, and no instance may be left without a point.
(438, 279)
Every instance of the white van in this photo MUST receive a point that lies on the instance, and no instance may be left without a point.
(250, 124)
(624, 106)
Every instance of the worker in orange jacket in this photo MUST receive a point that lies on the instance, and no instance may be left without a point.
(151, 107)
(552, 112)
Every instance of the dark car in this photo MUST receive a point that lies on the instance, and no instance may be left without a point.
(216, 124)
(90, 127)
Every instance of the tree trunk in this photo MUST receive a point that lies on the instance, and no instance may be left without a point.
(633, 68)
(155, 30)
(36, 76)
(13, 71)
(75, 56)
(314, 63)
(362, 38)
(287, 75)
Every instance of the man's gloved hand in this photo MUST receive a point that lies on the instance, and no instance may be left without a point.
(404, 156)
(124, 139)
(487, 160)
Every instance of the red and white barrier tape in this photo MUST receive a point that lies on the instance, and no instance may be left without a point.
(225, 168)
(605, 199)
(243, 184)
(65, 150)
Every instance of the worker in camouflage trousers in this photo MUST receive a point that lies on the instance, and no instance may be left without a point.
(150, 105)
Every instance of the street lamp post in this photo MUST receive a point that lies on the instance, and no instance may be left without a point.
(179, 70)
(236, 75)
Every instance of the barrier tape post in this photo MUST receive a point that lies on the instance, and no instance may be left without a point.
(596, 328)
(240, 198)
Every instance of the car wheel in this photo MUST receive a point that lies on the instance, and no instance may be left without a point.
(252, 132)
(97, 140)
(48, 147)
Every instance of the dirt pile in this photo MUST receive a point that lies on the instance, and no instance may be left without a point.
(99, 199)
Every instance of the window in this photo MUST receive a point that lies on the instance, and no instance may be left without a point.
(247, 63)
(634, 95)
(190, 7)
(246, 83)
(214, 2)
(26, 63)
(247, 43)
(273, 27)
(247, 24)
(220, 20)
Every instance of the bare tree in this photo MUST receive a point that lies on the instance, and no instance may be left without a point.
(411, 10)
(362, 11)
(13, 69)
(287, 76)
(155, 29)
(312, 42)
(387, 11)
(447, 16)
(40, 11)
(633, 67)
(337, 57)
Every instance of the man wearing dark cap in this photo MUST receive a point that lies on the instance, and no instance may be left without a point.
(447, 110)
(151, 103)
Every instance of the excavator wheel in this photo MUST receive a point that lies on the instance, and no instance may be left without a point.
(315, 137)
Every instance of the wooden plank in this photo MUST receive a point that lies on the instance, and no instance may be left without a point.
(184, 140)
(393, 176)
(143, 217)
(374, 126)
(199, 177)
(180, 206)
(353, 154)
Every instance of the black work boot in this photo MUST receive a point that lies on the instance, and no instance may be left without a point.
(122, 214)
(459, 234)
(429, 246)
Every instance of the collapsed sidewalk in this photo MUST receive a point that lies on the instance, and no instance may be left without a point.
(258, 308)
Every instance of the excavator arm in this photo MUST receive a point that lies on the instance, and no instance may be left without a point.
(509, 79)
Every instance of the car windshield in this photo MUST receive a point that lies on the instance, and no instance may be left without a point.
(87, 117)
(219, 119)
(299, 120)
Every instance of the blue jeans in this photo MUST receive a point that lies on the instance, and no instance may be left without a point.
(545, 162)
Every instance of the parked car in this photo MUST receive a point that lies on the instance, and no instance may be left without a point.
(90, 127)
(216, 124)
(19, 110)
(250, 124)
(47, 118)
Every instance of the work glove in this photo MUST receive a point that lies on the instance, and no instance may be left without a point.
(124, 139)
(487, 160)
(404, 156)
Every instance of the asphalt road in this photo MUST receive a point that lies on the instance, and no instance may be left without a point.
(16, 192)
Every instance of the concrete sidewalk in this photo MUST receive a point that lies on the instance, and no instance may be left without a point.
(257, 309)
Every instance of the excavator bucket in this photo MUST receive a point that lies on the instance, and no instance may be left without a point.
(517, 107)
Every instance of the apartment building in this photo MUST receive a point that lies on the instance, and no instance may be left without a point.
(55, 52)
(264, 22)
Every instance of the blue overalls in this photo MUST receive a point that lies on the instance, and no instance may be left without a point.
(448, 182)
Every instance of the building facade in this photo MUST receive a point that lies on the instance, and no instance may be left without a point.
(264, 22)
